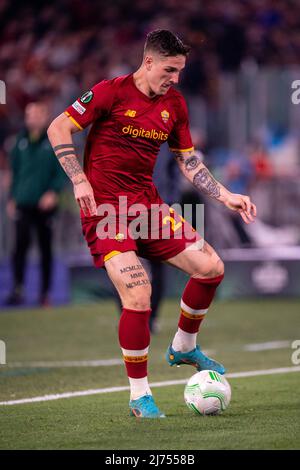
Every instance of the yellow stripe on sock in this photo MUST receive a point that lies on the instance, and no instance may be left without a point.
(136, 358)
(191, 316)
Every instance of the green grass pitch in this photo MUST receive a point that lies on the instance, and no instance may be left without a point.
(264, 412)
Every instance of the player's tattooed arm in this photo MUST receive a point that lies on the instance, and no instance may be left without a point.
(82, 189)
(188, 161)
(60, 135)
(68, 160)
(204, 181)
(192, 166)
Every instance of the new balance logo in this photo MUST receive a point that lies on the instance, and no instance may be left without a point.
(130, 113)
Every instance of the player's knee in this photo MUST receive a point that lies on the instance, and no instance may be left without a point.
(140, 304)
(217, 268)
(214, 268)
(140, 299)
(220, 268)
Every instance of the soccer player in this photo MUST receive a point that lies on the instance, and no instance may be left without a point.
(131, 117)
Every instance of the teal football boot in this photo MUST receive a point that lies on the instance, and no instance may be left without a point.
(194, 358)
(145, 407)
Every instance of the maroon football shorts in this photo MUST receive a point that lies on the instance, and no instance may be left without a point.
(153, 238)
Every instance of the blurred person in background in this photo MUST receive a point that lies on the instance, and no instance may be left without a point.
(36, 180)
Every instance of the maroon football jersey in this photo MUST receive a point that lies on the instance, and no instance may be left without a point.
(127, 131)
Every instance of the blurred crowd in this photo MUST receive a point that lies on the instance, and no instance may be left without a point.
(56, 50)
(53, 52)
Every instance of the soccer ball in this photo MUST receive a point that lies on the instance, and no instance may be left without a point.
(207, 393)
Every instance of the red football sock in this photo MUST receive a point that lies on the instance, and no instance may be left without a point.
(197, 297)
(134, 338)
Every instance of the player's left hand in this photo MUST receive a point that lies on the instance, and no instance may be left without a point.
(48, 201)
(243, 205)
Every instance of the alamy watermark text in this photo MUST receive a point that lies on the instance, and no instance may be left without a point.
(2, 92)
(2, 352)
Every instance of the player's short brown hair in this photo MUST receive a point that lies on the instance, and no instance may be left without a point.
(165, 43)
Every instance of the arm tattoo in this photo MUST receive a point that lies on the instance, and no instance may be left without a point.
(64, 154)
(63, 146)
(204, 181)
(192, 162)
(179, 157)
(82, 180)
(71, 166)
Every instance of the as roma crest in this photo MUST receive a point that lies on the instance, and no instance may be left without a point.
(165, 115)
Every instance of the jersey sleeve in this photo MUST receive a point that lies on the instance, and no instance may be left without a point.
(180, 136)
(92, 105)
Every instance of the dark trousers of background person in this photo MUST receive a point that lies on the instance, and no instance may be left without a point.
(158, 285)
(28, 221)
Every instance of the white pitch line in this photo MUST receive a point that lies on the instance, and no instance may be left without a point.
(267, 346)
(116, 362)
(85, 363)
(58, 396)
(58, 364)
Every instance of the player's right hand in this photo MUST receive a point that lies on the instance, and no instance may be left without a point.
(241, 204)
(84, 195)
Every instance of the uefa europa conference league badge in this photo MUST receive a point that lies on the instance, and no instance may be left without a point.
(87, 97)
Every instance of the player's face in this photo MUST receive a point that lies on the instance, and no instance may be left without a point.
(163, 72)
